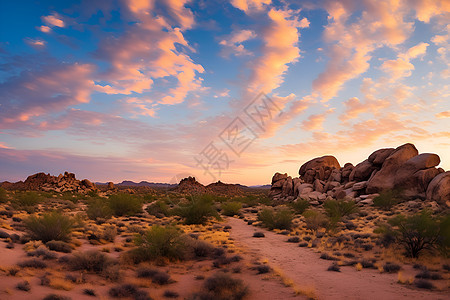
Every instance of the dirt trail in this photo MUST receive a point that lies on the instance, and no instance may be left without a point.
(304, 267)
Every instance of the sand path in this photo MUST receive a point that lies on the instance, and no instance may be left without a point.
(304, 267)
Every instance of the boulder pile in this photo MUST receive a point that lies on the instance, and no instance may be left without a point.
(403, 169)
(46, 182)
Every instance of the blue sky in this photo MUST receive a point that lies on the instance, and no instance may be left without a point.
(141, 90)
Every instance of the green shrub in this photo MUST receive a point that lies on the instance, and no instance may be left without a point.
(159, 242)
(231, 208)
(158, 207)
(3, 195)
(281, 219)
(29, 198)
(98, 210)
(50, 226)
(315, 220)
(253, 199)
(198, 210)
(123, 204)
(337, 209)
(299, 206)
(387, 199)
(418, 232)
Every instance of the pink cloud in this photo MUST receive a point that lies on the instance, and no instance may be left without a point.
(233, 44)
(45, 29)
(39, 93)
(247, 5)
(315, 121)
(443, 114)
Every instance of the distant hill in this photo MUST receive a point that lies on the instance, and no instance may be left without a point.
(142, 183)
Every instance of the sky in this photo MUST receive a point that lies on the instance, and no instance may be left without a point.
(233, 90)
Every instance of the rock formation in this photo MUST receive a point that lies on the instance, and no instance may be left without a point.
(47, 182)
(413, 175)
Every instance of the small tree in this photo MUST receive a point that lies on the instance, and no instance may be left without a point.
(315, 220)
(123, 204)
(198, 210)
(387, 199)
(417, 232)
(281, 219)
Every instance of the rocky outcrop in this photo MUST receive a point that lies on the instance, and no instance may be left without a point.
(59, 184)
(415, 176)
(220, 188)
(190, 185)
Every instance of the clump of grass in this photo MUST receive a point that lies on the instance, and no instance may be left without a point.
(231, 208)
(315, 220)
(32, 263)
(391, 267)
(198, 210)
(262, 269)
(387, 199)
(98, 210)
(423, 284)
(123, 204)
(170, 294)
(258, 234)
(23, 286)
(42, 252)
(50, 226)
(334, 267)
(156, 276)
(294, 239)
(425, 274)
(59, 246)
(327, 256)
(281, 219)
(299, 206)
(91, 261)
(125, 290)
(89, 292)
(159, 242)
(56, 297)
(222, 286)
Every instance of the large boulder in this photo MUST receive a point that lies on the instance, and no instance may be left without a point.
(288, 187)
(378, 157)
(413, 177)
(362, 171)
(346, 171)
(439, 189)
(278, 176)
(385, 178)
(318, 168)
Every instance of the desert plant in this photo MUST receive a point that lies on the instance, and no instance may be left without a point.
(299, 206)
(315, 220)
(59, 246)
(29, 198)
(258, 234)
(387, 199)
(23, 286)
(391, 267)
(123, 204)
(159, 242)
(281, 219)
(98, 210)
(158, 207)
(334, 267)
(222, 286)
(198, 210)
(56, 297)
(231, 208)
(3, 195)
(417, 232)
(337, 209)
(109, 233)
(128, 290)
(423, 284)
(91, 261)
(32, 263)
(50, 226)
(156, 276)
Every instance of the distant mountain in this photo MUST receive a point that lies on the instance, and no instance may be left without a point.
(265, 186)
(142, 183)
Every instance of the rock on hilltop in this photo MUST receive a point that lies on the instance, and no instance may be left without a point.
(47, 182)
(413, 175)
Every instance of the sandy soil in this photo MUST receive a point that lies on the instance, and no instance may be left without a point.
(304, 267)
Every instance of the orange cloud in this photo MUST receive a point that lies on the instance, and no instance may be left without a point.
(53, 20)
(315, 122)
(443, 114)
(45, 29)
(247, 5)
(233, 45)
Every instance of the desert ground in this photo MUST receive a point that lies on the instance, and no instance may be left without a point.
(159, 244)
